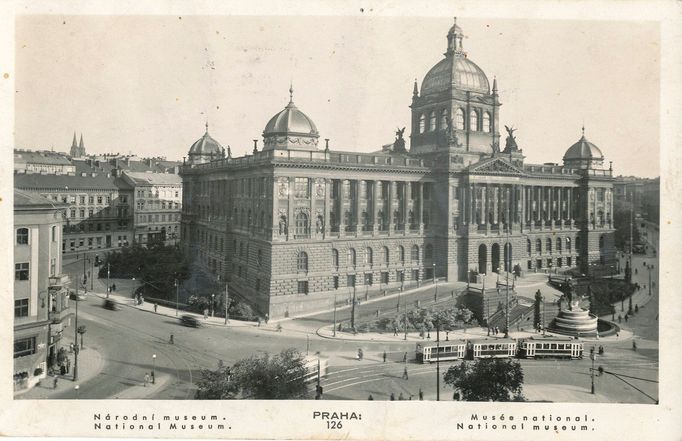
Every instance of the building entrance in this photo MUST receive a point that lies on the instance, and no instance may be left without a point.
(482, 259)
(495, 257)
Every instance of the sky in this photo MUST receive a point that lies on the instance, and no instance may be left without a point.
(147, 84)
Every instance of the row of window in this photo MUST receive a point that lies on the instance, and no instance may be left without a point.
(155, 192)
(120, 212)
(155, 217)
(549, 263)
(548, 245)
(479, 121)
(81, 200)
(365, 191)
(157, 205)
(23, 236)
(368, 255)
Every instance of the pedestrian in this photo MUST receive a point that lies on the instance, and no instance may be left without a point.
(395, 331)
(360, 354)
(384, 356)
(153, 377)
(205, 313)
(146, 379)
(455, 396)
(171, 339)
(488, 331)
(267, 318)
(71, 347)
(377, 312)
(405, 357)
(156, 306)
(619, 318)
(626, 318)
(636, 308)
(54, 382)
(405, 376)
(113, 287)
(392, 396)
(401, 397)
(258, 321)
(617, 334)
(370, 398)
(68, 365)
(421, 394)
(634, 345)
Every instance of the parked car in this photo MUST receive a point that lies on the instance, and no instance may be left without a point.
(188, 320)
(110, 305)
(80, 296)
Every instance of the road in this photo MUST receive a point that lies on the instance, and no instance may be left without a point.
(128, 338)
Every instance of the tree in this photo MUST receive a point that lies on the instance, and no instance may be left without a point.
(276, 377)
(487, 380)
(216, 385)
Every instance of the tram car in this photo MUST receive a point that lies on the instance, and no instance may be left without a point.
(551, 347)
(445, 351)
(492, 348)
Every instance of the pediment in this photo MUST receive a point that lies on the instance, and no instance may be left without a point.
(496, 166)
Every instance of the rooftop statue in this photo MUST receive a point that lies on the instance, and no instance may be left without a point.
(399, 144)
(510, 143)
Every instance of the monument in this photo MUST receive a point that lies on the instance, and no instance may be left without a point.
(574, 320)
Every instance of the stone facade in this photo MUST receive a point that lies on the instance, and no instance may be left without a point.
(290, 228)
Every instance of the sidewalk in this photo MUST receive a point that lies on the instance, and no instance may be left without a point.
(90, 364)
(142, 391)
(125, 299)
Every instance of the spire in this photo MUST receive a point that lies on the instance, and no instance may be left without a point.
(415, 90)
(583, 129)
(74, 144)
(494, 85)
(206, 126)
(80, 144)
(229, 152)
(291, 92)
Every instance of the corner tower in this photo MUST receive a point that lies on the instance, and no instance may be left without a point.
(455, 109)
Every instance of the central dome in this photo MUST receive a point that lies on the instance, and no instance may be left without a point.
(583, 154)
(290, 129)
(457, 72)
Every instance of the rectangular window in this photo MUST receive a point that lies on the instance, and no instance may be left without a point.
(22, 236)
(335, 282)
(21, 271)
(99, 199)
(24, 347)
(384, 277)
(108, 199)
(89, 242)
(72, 213)
(72, 245)
(53, 266)
(369, 279)
(350, 280)
(415, 274)
(81, 212)
(90, 212)
(530, 264)
(91, 199)
(303, 287)
(568, 261)
(81, 242)
(538, 264)
(21, 308)
(82, 200)
(72, 199)
(301, 189)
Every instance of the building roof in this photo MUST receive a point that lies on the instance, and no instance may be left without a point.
(455, 72)
(207, 146)
(154, 178)
(290, 121)
(33, 200)
(59, 182)
(40, 157)
(583, 149)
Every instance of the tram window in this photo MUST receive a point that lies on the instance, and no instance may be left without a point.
(553, 346)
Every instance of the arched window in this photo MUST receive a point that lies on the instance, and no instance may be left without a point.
(387, 256)
(422, 123)
(473, 121)
(549, 246)
(558, 245)
(414, 255)
(335, 258)
(528, 246)
(401, 254)
(459, 119)
(428, 252)
(351, 257)
(443, 119)
(538, 246)
(432, 121)
(301, 224)
(302, 261)
(369, 257)
(22, 236)
(568, 244)
(487, 127)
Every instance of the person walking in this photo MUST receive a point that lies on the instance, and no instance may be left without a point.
(405, 357)
(395, 331)
(113, 287)
(55, 382)
(156, 306)
(405, 376)
(68, 365)
(370, 398)
(384, 356)
(421, 394)
(392, 397)
(146, 379)
(634, 345)
(401, 397)
(171, 339)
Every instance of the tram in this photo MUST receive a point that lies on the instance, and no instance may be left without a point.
(492, 348)
(445, 351)
(551, 347)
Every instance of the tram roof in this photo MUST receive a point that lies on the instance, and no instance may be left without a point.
(551, 338)
(492, 340)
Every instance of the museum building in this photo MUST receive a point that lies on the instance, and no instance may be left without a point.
(297, 226)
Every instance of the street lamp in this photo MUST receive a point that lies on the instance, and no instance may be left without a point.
(77, 388)
(76, 349)
(108, 273)
(649, 279)
(176, 296)
(212, 305)
(153, 368)
(434, 280)
(593, 356)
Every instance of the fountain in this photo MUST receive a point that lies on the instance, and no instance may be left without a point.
(574, 320)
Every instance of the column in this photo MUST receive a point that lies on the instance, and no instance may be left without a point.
(290, 214)
(509, 207)
(496, 205)
(391, 195)
(570, 206)
(341, 210)
(274, 224)
(327, 208)
(420, 210)
(407, 194)
(483, 204)
(375, 206)
(358, 208)
(560, 214)
(471, 206)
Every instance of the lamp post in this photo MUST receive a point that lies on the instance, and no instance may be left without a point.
(434, 280)
(212, 305)
(352, 311)
(85, 277)
(227, 302)
(334, 313)
(175, 283)
(153, 368)
(75, 340)
(108, 273)
(92, 275)
(593, 356)
(649, 279)
(307, 344)
(506, 323)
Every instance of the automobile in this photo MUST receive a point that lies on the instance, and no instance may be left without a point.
(188, 320)
(77, 296)
(110, 305)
